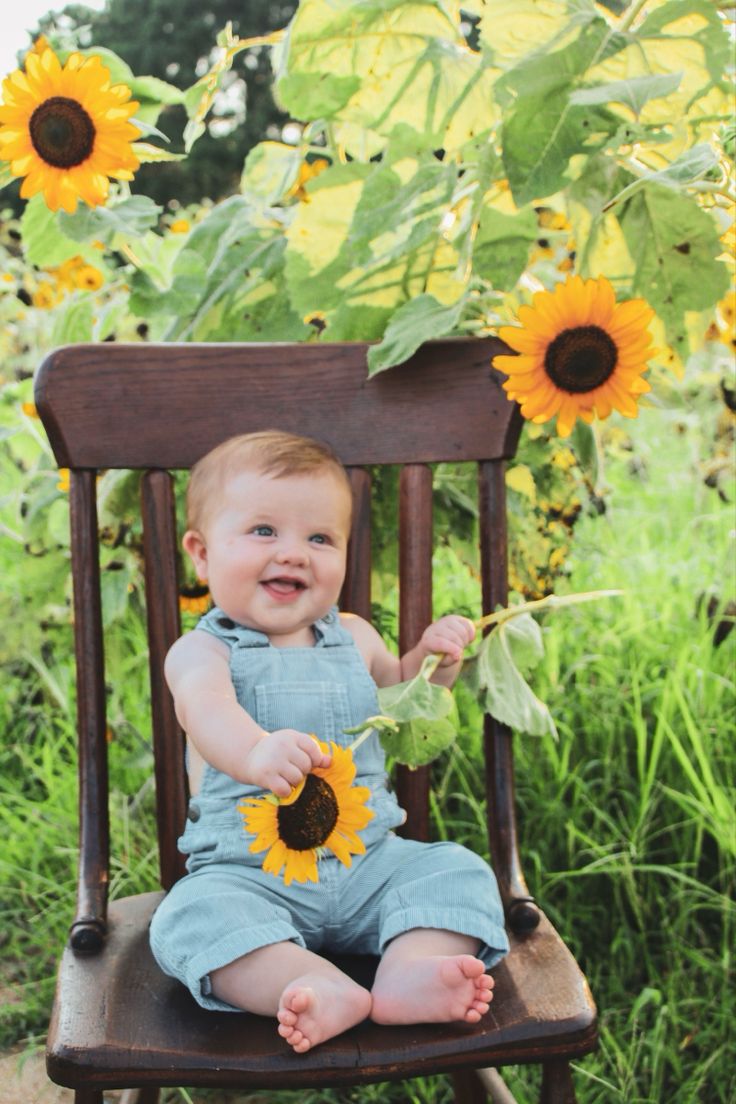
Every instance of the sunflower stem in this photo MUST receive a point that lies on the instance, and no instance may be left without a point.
(552, 601)
(630, 15)
(360, 739)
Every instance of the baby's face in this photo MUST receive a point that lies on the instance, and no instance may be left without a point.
(274, 551)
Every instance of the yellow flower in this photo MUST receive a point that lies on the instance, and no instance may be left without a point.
(45, 296)
(180, 226)
(581, 353)
(64, 480)
(41, 44)
(326, 811)
(29, 409)
(307, 171)
(194, 599)
(66, 130)
(88, 278)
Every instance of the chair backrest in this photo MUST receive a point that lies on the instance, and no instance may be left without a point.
(158, 408)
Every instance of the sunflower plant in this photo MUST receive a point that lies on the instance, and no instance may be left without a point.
(560, 174)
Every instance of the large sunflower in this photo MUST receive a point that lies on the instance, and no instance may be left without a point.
(581, 353)
(325, 811)
(66, 130)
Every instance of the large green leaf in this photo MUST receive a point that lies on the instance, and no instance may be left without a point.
(368, 239)
(131, 217)
(417, 321)
(381, 64)
(497, 672)
(426, 718)
(512, 30)
(44, 243)
(502, 244)
(674, 244)
(540, 136)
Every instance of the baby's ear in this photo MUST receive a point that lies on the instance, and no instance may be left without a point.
(194, 545)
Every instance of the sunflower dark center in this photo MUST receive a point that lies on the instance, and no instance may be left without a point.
(62, 133)
(581, 359)
(310, 820)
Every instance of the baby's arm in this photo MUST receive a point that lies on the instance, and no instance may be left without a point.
(197, 670)
(449, 636)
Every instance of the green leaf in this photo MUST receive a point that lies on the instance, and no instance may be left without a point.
(541, 134)
(497, 675)
(688, 167)
(146, 153)
(634, 92)
(315, 95)
(426, 716)
(44, 242)
(270, 170)
(131, 217)
(502, 245)
(381, 64)
(417, 321)
(674, 245)
(74, 325)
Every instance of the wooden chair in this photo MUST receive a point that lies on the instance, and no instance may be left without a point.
(118, 1022)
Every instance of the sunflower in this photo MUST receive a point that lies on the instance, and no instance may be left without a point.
(194, 598)
(581, 353)
(66, 130)
(323, 813)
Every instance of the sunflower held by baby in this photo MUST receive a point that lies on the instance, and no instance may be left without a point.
(323, 813)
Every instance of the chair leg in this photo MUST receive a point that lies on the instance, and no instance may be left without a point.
(557, 1084)
(468, 1089)
(481, 1086)
(147, 1095)
(88, 1096)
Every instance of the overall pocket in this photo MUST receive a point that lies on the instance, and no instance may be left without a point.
(321, 708)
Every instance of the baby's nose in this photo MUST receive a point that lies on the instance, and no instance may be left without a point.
(292, 552)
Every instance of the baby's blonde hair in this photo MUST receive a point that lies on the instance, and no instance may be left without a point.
(268, 452)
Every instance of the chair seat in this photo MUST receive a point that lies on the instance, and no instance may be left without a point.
(119, 1022)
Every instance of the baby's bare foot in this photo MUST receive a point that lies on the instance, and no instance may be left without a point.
(316, 1007)
(432, 990)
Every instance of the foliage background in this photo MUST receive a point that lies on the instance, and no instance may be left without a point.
(627, 820)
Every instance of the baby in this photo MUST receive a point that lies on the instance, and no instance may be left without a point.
(272, 663)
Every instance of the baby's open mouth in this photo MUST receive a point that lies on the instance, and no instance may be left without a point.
(283, 585)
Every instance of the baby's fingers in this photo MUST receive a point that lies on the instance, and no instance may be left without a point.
(317, 756)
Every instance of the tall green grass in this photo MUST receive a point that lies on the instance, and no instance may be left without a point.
(627, 820)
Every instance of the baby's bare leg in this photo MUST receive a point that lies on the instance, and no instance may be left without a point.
(311, 998)
(429, 975)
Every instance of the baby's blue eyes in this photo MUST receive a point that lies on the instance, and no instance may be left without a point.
(269, 531)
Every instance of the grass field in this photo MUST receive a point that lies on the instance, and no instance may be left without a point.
(627, 821)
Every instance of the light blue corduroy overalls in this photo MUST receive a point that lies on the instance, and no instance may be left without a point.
(226, 906)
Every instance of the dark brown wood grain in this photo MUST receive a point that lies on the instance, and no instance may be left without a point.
(502, 833)
(162, 608)
(94, 841)
(415, 614)
(117, 1021)
(125, 1023)
(154, 406)
(356, 591)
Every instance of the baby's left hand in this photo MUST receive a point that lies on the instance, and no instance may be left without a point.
(449, 635)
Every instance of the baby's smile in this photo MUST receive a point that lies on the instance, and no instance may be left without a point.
(283, 587)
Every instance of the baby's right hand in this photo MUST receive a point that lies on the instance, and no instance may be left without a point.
(281, 759)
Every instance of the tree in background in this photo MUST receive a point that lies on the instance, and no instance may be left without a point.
(148, 35)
